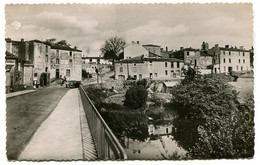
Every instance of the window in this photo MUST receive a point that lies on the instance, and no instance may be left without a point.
(57, 61)
(70, 53)
(121, 69)
(90, 60)
(229, 52)
(155, 74)
(243, 53)
(224, 52)
(46, 49)
(188, 53)
(135, 69)
(224, 60)
(134, 64)
(239, 60)
(151, 62)
(244, 60)
(172, 65)
(67, 72)
(46, 58)
(224, 69)
(237, 67)
(165, 64)
(70, 61)
(178, 65)
(241, 68)
(135, 77)
(57, 52)
(166, 72)
(229, 60)
(46, 69)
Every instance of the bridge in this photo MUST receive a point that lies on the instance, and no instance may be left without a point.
(106, 145)
(73, 131)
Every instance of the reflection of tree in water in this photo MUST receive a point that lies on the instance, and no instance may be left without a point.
(130, 124)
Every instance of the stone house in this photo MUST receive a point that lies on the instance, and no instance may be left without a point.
(227, 59)
(40, 63)
(90, 63)
(155, 68)
(66, 61)
(16, 62)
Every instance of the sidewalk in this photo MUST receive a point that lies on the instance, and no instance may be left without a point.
(59, 136)
(8, 95)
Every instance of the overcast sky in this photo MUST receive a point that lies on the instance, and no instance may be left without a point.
(87, 26)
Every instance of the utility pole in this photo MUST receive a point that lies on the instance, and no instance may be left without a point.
(127, 67)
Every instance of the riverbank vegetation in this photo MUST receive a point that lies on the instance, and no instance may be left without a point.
(212, 123)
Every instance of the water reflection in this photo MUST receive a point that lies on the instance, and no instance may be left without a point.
(141, 138)
(159, 144)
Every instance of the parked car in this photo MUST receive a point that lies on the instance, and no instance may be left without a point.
(72, 84)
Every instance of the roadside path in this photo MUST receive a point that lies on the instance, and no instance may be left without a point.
(59, 136)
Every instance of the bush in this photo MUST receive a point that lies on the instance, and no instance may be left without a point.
(85, 74)
(214, 103)
(97, 95)
(142, 82)
(136, 97)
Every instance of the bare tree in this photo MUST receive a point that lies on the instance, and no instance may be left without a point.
(113, 47)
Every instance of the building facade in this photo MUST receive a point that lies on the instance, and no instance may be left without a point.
(151, 68)
(134, 50)
(66, 62)
(228, 59)
(91, 63)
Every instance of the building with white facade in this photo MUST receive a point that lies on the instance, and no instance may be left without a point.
(155, 68)
(66, 62)
(228, 59)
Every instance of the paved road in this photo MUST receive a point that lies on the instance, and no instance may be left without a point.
(59, 136)
(25, 113)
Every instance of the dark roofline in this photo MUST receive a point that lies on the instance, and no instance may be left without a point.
(152, 45)
(163, 59)
(64, 48)
(138, 59)
(94, 58)
(233, 49)
(9, 55)
(38, 41)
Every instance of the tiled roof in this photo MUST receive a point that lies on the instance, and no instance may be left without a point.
(93, 58)
(137, 59)
(152, 45)
(9, 55)
(153, 55)
(64, 48)
(140, 59)
(190, 49)
(234, 49)
(163, 59)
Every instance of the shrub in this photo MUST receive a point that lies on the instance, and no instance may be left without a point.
(96, 95)
(214, 103)
(142, 82)
(136, 97)
(85, 74)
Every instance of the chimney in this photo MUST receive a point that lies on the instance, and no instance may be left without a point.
(137, 42)
(22, 40)
(166, 49)
(226, 46)
(8, 45)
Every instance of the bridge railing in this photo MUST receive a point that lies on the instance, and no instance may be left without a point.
(107, 145)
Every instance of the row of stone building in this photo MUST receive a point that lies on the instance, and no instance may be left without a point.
(153, 62)
(27, 61)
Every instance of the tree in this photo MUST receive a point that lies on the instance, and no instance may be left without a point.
(53, 41)
(113, 47)
(136, 97)
(213, 116)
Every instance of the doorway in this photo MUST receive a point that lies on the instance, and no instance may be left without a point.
(230, 69)
(57, 73)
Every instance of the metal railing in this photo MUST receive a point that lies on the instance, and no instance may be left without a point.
(107, 145)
